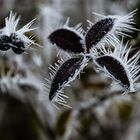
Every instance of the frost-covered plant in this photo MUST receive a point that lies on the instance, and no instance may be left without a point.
(13, 38)
(116, 63)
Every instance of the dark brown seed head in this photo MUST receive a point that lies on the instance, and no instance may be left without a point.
(18, 45)
(66, 71)
(5, 42)
(98, 31)
(115, 68)
(67, 40)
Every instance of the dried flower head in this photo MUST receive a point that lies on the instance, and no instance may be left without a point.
(119, 66)
(14, 38)
(61, 77)
(107, 29)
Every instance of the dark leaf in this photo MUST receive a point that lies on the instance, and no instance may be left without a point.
(98, 31)
(66, 71)
(67, 40)
(115, 68)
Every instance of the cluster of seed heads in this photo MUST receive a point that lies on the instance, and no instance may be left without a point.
(92, 45)
(12, 42)
(13, 38)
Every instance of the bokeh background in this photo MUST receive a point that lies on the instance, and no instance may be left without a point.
(96, 114)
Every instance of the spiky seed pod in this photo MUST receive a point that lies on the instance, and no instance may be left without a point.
(18, 45)
(124, 70)
(107, 30)
(18, 38)
(68, 39)
(5, 42)
(66, 73)
(97, 32)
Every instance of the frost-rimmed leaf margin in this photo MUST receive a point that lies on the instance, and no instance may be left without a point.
(108, 29)
(69, 39)
(61, 76)
(124, 68)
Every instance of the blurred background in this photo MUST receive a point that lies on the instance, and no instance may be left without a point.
(25, 112)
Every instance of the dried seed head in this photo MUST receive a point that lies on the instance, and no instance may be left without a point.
(68, 39)
(66, 73)
(5, 42)
(10, 30)
(18, 46)
(119, 67)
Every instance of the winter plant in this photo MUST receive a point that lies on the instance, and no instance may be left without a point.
(100, 44)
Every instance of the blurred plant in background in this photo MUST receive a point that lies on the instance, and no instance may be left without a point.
(99, 111)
